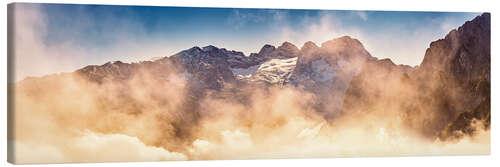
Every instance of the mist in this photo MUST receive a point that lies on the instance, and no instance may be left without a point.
(81, 121)
(65, 117)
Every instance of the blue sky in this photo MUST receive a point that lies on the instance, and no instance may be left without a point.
(78, 35)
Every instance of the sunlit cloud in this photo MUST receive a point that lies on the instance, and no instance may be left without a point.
(132, 37)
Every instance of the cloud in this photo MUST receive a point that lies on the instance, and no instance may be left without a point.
(243, 17)
(92, 147)
(72, 126)
(128, 40)
(240, 18)
(30, 154)
(31, 56)
(317, 29)
(72, 120)
(362, 15)
(35, 55)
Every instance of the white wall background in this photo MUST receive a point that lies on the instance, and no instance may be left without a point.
(412, 5)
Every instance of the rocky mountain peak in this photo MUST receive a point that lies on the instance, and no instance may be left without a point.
(463, 51)
(210, 48)
(285, 51)
(193, 50)
(387, 62)
(308, 46)
(266, 49)
(289, 47)
(346, 48)
(344, 42)
(114, 63)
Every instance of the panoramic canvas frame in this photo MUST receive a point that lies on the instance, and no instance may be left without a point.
(106, 83)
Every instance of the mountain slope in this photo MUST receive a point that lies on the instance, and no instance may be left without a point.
(447, 92)
(327, 70)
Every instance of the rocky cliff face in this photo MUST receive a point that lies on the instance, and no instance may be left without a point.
(465, 56)
(443, 96)
(463, 52)
(462, 58)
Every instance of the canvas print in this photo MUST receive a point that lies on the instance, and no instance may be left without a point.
(109, 83)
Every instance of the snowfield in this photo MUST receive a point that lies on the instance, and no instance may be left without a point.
(275, 70)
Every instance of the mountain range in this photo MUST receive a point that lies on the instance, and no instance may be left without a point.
(442, 97)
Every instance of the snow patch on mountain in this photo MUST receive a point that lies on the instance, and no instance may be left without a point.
(275, 70)
(245, 72)
(276, 64)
